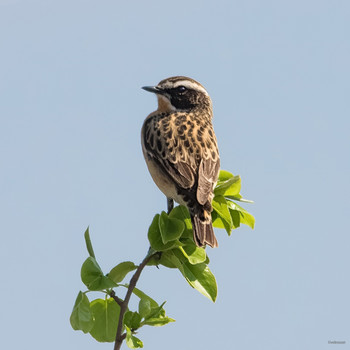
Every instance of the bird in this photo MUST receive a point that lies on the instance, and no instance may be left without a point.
(180, 149)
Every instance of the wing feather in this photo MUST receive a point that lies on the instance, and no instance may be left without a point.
(207, 176)
(188, 169)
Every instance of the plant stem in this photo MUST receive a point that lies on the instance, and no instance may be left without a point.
(117, 299)
(124, 304)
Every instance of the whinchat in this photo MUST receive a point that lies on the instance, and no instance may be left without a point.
(180, 149)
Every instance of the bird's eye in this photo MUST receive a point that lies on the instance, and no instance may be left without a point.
(181, 89)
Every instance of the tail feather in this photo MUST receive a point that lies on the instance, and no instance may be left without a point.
(203, 232)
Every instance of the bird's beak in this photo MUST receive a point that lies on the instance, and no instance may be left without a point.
(153, 89)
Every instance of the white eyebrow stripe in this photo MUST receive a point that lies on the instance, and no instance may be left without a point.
(188, 84)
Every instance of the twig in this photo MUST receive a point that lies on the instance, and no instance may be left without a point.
(124, 303)
(116, 298)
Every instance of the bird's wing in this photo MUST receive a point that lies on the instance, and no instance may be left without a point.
(181, 173)
(186, 161)
(208, 173)
(168, 151)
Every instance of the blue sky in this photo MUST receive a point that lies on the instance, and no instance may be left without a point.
(71, 110)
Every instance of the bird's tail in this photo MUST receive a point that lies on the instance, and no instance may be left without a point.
(203, 232)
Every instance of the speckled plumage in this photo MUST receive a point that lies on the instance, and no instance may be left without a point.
(181, 152)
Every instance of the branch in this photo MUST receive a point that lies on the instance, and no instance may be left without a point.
(124, 304)
(116, 298)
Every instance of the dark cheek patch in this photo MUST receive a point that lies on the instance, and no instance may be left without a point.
(184, 102)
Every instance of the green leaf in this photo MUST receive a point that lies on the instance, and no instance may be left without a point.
(155, 238)
(239, 198)
(201, 278)
(167, 259)
(132, 320)
(139, 293)
(230, 186)
(193, 254)
(158, 322)
(119, 272)
(157, 311)
(92, 276)
(154, 261)
(131, 341)
(217, 221)
(81, 317)
(220, 206)
(157, 317)
(106, 314)
(181, 213)
(245, 217)
(170, 228)
(224, 175)
(144, 307)
(198, 276)
(236, 218)
(88, 243)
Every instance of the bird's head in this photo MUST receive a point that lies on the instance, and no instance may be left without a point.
(180, 94)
